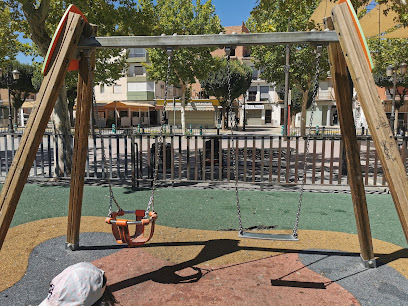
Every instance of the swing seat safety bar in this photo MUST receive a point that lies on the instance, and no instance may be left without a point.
(282, 237)
(124, 222)
(120, 227)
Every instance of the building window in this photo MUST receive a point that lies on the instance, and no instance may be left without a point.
(139, 70)
(117, 89)
(3, 111)
(254, 73)
(123, 113)
(136, 70)
(102, 88)
(135, 114)
(268, 116)
(252, 93)
(264, 93)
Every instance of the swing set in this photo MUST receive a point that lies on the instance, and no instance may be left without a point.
(347, 54)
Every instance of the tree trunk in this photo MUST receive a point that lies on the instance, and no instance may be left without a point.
(224, 122)
(36, 21)
(304, 110)
(293, 120)
(62, 132)
(15, 122)
(183, 109)
(396, 120)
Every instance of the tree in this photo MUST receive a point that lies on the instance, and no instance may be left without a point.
(217, 82)
(187, 64)
(21, 89)
(9, 44)
(279, 16)
(400, 7)
(388, 52)
(38, 21)
(71, 81)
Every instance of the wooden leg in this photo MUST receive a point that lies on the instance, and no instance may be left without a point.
(369, 98)
(37, 122)
(84, 105)
(343, 92)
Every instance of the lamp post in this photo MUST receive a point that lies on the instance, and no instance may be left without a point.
(392, 71)
(244, 124)
(9, 79)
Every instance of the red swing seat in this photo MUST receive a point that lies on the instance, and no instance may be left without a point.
(120, 227)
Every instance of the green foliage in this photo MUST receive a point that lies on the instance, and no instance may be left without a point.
(9, 45)
(183, 18)
(216, 84)
(273, 15)
(281, 16)
(296, 98)
(390, 52)
(387, 52)
(38, 21)
(19, 89)
(401, 10)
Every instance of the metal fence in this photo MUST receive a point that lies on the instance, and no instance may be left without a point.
(261, 159)
(328, 131)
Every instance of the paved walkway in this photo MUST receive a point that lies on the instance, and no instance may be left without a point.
(196, 258)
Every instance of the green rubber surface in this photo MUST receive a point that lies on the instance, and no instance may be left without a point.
(217, 210)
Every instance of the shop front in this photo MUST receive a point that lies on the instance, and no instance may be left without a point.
(198, 112)
(125, 114)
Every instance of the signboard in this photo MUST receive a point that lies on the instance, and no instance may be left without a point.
(250, 106)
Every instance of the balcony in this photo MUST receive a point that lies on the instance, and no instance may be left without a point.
(137, 78)
(252, 96)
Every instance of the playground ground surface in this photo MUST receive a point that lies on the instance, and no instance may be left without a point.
(196, 257)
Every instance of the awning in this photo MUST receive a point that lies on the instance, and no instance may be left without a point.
(125, 105)
(29, 104)
(399, 33)
(188, 108)
(193, 102)
(375, 22)
(324, 10)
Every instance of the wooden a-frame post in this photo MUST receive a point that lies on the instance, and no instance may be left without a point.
(37, 122)
(383, 137)
(343, 93)
(84, 105)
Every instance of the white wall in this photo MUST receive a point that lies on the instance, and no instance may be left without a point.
(108, 94)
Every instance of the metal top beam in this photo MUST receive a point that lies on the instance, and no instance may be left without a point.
(210, 40)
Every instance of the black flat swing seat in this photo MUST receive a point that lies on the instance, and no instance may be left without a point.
(282, 237)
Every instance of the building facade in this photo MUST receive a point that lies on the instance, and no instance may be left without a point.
(136, 100)
(22, 114)
(131, 101)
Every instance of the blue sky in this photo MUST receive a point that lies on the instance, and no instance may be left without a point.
(231, 13)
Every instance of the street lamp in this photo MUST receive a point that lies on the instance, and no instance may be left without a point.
(10, 79)
(392, 71)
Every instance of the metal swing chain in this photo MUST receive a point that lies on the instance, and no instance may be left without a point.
(96, 116)
(160, 148)
(233, 124)
(319, 49)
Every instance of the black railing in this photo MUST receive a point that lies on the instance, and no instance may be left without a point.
(265, 160)
(327, 131)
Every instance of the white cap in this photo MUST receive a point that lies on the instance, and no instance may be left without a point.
(79, 284)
